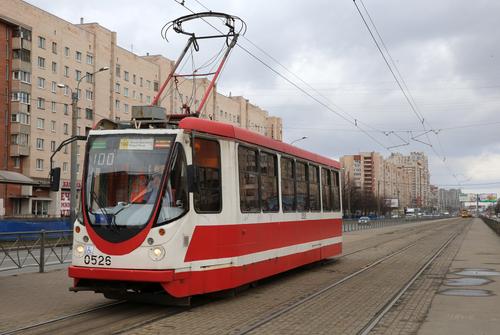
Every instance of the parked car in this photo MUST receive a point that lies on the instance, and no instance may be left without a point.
(364, 220)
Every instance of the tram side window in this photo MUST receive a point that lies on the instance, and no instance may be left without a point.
(302, 189)
(175, 196)
(208, 198)
(249, 179)
(326, 185)
(288, 201)
(336, 191)
(314, 190)
(269, 182)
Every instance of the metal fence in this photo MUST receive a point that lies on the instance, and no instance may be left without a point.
(349, 225)
(492, 223)
(35, 249)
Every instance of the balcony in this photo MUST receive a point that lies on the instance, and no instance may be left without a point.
(19, 128)
(19, 150)
(18, 64)
(19, 86)
(20, 43)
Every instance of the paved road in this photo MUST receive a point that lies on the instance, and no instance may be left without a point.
(345, 309)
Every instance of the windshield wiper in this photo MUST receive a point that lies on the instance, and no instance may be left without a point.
(94, 197)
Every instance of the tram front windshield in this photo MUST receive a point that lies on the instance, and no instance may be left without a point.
(123, 177)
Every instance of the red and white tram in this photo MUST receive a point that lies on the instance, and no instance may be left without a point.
(202, 207)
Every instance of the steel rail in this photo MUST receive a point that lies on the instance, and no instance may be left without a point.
(275, 314)
(384, 310)
(61, 318)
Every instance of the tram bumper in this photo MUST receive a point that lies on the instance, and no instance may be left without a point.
(129, 275)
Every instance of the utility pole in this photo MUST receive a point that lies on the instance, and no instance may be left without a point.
(74, 147)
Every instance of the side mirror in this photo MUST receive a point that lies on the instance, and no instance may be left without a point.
(192, 179)
(55, 178)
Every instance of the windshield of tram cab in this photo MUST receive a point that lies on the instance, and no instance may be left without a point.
(123, 177)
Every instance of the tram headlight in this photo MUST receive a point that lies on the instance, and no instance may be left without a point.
(156, 253)
(79, 250)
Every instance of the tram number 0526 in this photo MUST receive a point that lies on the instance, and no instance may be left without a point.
(97, 260)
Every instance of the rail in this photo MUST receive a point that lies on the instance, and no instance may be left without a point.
(494, 224)
(35, 249)
(349, 225)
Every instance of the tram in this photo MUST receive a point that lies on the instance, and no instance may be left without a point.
(201, 207)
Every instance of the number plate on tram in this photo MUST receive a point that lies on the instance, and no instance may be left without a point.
(98, 260)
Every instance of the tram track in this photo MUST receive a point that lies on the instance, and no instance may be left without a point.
(112, 318)
(107, 319)
(273, 315)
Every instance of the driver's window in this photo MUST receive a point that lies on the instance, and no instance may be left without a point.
(175, 196)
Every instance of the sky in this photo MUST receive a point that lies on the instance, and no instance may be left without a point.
(447, 54)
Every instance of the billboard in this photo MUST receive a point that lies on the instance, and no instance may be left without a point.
(391, 203)
(467, 197)
(483, 197)
(488, 197)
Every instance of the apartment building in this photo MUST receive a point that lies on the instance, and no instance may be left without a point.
(40, 51)
(405, 178)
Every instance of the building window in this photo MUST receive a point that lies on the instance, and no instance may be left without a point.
(41, 62)
(125, 108)
(65, 167)
(66, 109)
(117, 87)
(41, 82)
(19, 139)
(249, 180)
(117, 105)
(40, 207)
(148, 99)
(66, 90)
(66, 51)
(22, 97)
(125, 91)
(65, 128)
(40, 103)
(23, 76)
(21, 118)
(148, 84)
(53, 87)
(156, 86)
(134, 79)
(288, 200)
(78, 74)
(140, 81)
(54, 48)
(52, 146)
(40, 123)
(53, 126)
(89, 95)
(117, 70)
(39, 164)
(54, 67)
(66, 71)
(90, 59)
(140, 97)
(41, 42)
(89, 114)
(65, 149)
(208, 197)
(78, 56)
(89, 77)
(301, 185)
(17, 162)
(125, 75)
(39, 143)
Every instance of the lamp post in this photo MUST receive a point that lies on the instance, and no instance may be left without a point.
(74, 119)
(299, 139)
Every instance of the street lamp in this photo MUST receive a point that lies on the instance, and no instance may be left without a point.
(299, 139)
(74, 118)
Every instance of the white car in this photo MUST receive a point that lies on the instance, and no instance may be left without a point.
(364, 220)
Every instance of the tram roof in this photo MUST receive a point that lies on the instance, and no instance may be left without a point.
(237, 133)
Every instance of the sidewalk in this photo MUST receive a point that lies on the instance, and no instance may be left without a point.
(468, 301)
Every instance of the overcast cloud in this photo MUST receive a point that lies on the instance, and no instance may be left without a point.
(448, 52)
